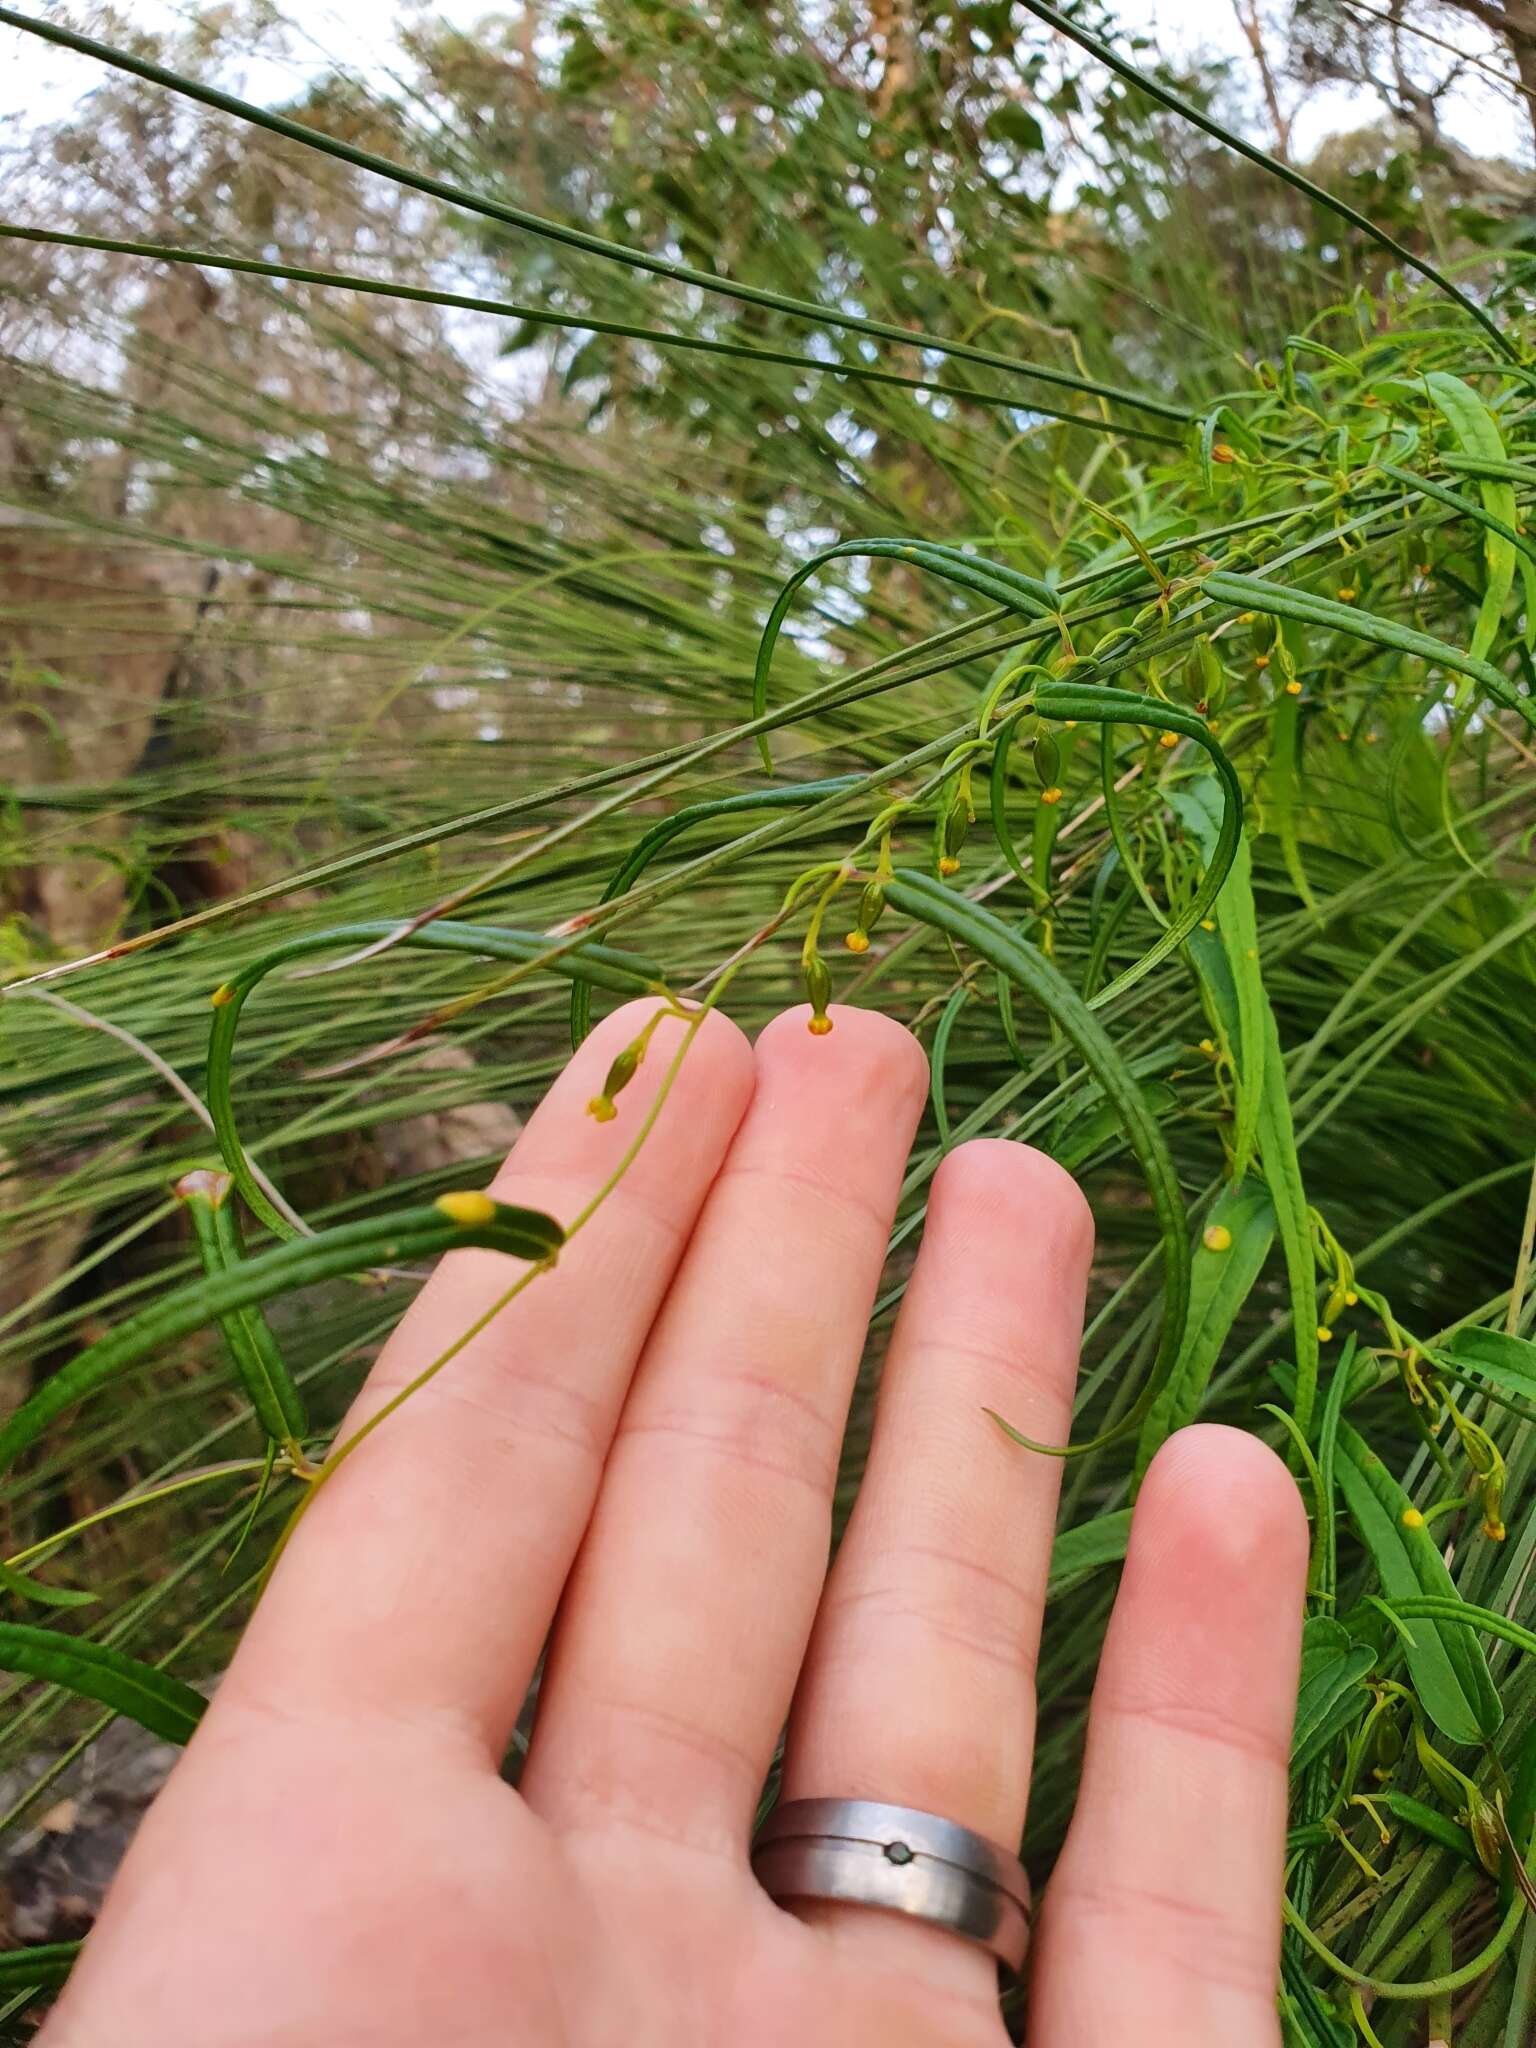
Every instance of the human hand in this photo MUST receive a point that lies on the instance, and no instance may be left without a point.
(640, 1453)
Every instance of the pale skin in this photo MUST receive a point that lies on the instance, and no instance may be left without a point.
(634, 1463)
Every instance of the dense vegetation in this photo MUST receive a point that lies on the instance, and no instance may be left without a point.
(1122, 492)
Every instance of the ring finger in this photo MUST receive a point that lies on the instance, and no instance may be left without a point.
(919, 1686)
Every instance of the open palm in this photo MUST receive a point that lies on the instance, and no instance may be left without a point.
(635, 1465)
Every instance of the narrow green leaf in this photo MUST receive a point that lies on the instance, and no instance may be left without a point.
(1023, 594)
(1253, 593)
(783, 796)
(22, 1586)
(1239, 1230)
(1492, 1356)
(1478, 435)
(625, 974)
(939, 1064)
(276, 1400)
(969, 924)
(154, 1699)
(45, 1965)
(1450, 1672)
(1282, 783)
(1087, 1548)
(1332, 1694)
(409, 1234)
(1238, 928)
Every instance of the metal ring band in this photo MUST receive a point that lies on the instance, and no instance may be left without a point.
(862, 1852)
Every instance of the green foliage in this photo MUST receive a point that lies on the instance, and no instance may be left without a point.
(1213, 587)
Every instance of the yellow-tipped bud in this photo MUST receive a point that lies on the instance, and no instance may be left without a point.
(1324, 1334)
(857, 941)
(1293, 688)
(625, 1066)
(1053, 795)
(948, 865)
(818, 989)
(1261, 661)
(1348, 594)
(1168, 739)
(1217, 1238)
(222, 994)
(1208, 1047)
(1412, 1519)
(468, 1207)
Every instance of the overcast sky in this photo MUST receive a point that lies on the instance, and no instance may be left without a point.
(38, 80)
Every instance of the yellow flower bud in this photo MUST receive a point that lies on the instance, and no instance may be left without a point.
(818, 1027)
(1052, 795)
(1293, 688)
(601, 1110)
(1412, 1519)
(948, 865)
(857, 941)
(1347, 593)
(1261, 661)
(1217, 1238)
(1168, 739)
(1324, 1334)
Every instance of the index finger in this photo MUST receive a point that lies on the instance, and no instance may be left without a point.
(424, 1579)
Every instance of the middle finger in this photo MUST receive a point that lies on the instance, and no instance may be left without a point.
(686, 1617)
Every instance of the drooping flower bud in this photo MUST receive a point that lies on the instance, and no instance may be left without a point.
(818, 992)
(601, 1108)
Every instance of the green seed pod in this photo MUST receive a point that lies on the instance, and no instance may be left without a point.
(1205, 680)
(1487, 1833)
(871, 906)
(1493, 1505)
(1046, 755)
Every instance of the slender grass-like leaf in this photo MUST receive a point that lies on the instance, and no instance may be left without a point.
(410, 1234)
(1252, 593)
(1239, 1230)
(96, 1671)
(1450, 1672)
(969, 924)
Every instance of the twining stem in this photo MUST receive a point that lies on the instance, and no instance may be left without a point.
(429, 1372)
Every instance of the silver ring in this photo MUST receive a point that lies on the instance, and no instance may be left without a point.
(864, 1853)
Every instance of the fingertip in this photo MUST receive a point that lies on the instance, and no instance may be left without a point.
(1021, 1192)
(864, 1042)
(1217, 1496)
